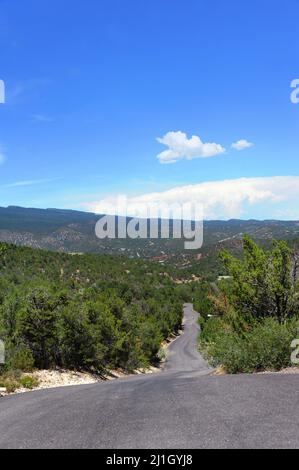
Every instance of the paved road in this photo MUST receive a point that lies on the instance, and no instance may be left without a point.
(183, 354)
(182, 407)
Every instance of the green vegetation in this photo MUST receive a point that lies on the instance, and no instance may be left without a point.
(14, 379)
(91, 312)
(250, 320)
(74, 232)
(100, 312)
(29, 382)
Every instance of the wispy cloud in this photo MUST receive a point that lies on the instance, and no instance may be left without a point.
(41, 118)
(18, 184)
(180, 148)
(22, 88)
(2, 155)
(242, 144)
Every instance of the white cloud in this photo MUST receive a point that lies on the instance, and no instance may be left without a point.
(220, 199)
(180, 147)
(242, 145)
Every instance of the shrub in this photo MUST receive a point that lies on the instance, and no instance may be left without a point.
(22, 359)
(266, 347)
(10, 385)
(13, 379)
(10, 380)
(29, 382)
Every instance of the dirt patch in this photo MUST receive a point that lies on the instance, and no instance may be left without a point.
(120, 374)
(221, 370)
(67, 378)
(287, 370)
(63, 378)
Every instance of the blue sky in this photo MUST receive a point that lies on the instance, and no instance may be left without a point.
(91, 85)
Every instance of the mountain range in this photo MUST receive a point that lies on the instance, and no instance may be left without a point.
(74, 232)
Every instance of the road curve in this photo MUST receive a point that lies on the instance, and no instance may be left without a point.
(183, 354)
(183, 407)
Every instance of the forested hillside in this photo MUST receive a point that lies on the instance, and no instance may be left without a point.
(83, 311)
(74, 232)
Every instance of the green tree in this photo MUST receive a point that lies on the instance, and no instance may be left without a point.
(37, 325)
(261, 283)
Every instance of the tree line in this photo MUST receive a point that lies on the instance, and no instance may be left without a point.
(90, 312)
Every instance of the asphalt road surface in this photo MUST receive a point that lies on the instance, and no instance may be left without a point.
(183, 407)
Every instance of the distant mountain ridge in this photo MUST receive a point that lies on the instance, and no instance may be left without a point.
(41, 220)
(74, 231)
